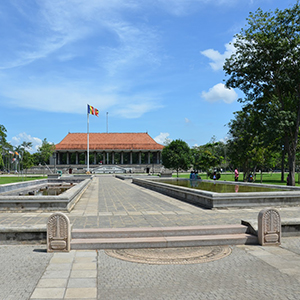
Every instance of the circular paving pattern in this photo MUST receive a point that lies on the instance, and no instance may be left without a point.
(169, 256)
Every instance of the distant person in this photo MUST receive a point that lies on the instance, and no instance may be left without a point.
(215, 176)
(236, 175)
(192, 175)
(250, 178)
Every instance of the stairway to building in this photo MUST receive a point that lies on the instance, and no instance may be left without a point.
(160, 237)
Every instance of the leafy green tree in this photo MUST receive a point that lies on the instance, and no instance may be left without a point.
(266, 67)
(247, 145)
(3, 145)
(44, 152)
(177, 155)
(25, 158)
(207, 156)
(244, 145)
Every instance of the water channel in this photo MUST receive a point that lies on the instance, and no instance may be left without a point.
(217, 187)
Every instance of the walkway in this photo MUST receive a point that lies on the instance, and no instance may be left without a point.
(113, 203)
(250, 272)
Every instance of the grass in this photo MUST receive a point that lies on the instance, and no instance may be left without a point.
(12, 179)
(267, 178)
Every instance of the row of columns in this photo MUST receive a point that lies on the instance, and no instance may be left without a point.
(105, 160)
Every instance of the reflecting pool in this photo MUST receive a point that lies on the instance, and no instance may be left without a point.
(218, 187)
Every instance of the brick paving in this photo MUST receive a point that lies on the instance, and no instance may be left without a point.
(249, 272)
(21, 267)
(238, 276)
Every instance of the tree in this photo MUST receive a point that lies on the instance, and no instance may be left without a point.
(243, 139)
(207, 156)
(249, 146)
(177, 155)
(44, 152)
(25, 158)
(266, 67)
(3, 144)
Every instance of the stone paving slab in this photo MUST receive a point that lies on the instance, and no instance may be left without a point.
(59, 282)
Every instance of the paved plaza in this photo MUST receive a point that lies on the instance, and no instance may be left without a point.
(249, 272)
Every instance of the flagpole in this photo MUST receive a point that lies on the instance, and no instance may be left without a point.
(88, 144)
(106, 122)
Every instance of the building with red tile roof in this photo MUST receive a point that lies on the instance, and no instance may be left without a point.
(108, 148)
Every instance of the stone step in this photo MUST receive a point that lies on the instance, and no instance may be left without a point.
(103, 233)
(162, 242)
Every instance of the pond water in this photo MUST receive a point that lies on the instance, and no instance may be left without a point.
(217, 187)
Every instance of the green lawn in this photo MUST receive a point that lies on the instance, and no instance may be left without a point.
(11, 179)
(267, 178)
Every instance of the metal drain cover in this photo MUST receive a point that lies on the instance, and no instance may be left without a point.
(170, 256)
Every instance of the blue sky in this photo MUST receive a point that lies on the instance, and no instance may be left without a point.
(154, 65)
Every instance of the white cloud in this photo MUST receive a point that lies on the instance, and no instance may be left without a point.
(24, 137)
(220, 93)
(224, 140)
(217, 58)
(162, 138)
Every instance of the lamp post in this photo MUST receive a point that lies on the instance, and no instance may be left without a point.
(54, 158)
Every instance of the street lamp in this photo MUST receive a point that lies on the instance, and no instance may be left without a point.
(54, 158)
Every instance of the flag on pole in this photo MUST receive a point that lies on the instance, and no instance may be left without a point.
(92, 110)
(10, 152)
(16, 153)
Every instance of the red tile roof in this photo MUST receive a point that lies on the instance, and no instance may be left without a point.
(109, 141)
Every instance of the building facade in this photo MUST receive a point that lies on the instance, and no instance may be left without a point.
(107, 149)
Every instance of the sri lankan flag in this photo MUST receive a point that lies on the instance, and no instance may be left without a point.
(92, 110)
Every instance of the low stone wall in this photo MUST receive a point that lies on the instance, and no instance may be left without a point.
(218, 200)
(18, 186)
(16, 235)
(62, 202)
